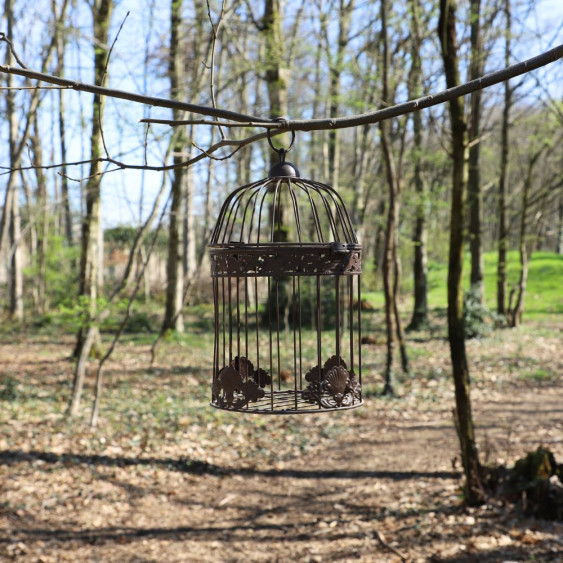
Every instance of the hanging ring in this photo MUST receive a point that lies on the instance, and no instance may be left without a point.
(281, 151)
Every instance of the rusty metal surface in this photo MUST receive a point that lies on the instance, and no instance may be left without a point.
(285, 259)
(286, 265)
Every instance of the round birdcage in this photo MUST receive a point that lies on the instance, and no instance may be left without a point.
(285, 266)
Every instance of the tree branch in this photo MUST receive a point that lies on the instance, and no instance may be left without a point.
(490, 79)
(131, 96)
(237, 144)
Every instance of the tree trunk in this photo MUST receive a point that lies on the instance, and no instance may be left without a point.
(475, 195)
(189, 230)
(560, 234)
(344, 20)
(456, 336)
(42, 218)
(515, 314)
(173, 317)
(277, 76)
(419, 318)
(16, 270)
(391, 269)
(11, 222)
(67, 216)
(88, 336)
(503, 227)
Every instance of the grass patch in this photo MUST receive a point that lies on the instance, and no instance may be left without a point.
(538, 375)
(543, 295)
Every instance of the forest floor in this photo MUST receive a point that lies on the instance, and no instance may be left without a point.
(164, 477)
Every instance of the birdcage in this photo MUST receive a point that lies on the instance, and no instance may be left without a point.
(285, 267)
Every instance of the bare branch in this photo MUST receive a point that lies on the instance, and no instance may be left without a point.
(215, 29)
(6, 40)
(123, 95)
(172, 123)
(104, 74)
(34, 88)
(310, 124)
(238, 144)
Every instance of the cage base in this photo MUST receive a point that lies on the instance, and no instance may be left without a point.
(286, 402)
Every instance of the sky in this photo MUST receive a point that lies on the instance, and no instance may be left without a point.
(127, 195)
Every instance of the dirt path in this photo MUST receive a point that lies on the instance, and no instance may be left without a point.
(382, 485)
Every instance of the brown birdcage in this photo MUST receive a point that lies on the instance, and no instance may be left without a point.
(285, 265)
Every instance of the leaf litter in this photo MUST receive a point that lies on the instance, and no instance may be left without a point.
(166, 478)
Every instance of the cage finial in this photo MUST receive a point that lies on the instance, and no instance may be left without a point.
(282, 169)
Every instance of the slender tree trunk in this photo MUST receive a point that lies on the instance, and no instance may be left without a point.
(475, 195)
(456, 336)
(515, 314)
(419, 318)
(173, 317)
(503, 227)
(11, 222)
(16, 270)
(277, 76)
(42, 218)
(277, 79)
(67, 216)
(336, 68)
(391, 269)
(560, 236)
(5, 218)
(189, 230)
(88, 337)
(33, 237)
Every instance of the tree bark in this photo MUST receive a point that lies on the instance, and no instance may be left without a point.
(503, 227)
(173, 317)
(560, 230)
(515, 314)
(419, 318)
(456, 336)
(67, 216)
(391, 269)
(16, 269)
(11, 222)
(474, 178)
(337, 64)
(42, 219)
(88, 336)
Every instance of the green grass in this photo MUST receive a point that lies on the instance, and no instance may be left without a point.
(538, 375)
(544, 294)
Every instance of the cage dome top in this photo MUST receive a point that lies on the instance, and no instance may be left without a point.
(284, 209)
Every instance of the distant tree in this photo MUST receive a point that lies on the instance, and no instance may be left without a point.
(503, 174)
(475, 195)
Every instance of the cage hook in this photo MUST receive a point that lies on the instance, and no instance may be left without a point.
(281, 150)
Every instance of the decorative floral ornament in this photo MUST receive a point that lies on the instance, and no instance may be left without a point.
(333, 386)
(239, 384)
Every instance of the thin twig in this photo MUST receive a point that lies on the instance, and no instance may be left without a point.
(6, 40)
(171, 122)
(379, 537)
(239, 144)
(35, 88)
(215, 29)
(104, 74)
